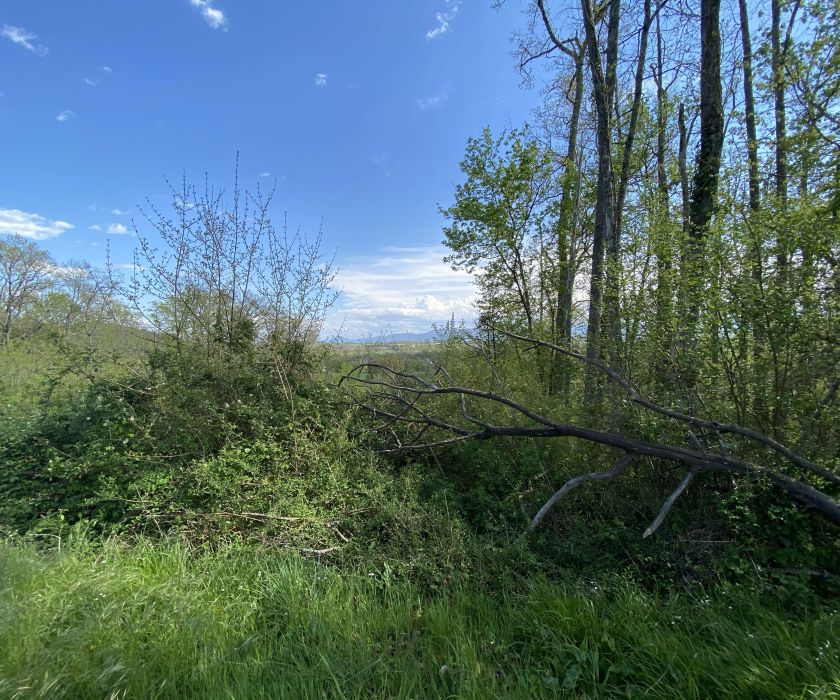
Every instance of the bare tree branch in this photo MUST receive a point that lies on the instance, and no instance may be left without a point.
(719, 428)
(394, 397)
(620, 467)
(669, 503)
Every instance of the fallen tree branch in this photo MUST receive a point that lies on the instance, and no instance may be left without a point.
(619, 468)
(669, 503)
(395, 398)
(719, 428)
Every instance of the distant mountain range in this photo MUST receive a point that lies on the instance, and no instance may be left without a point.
(427, 337)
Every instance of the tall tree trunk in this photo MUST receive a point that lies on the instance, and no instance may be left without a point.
(784, 296)
(613, 249)
(705, 183)
(566, 226)
(604, 82)
(749, 108)
(754, 253)
(663, 241)
(682, 164)
(778, 82)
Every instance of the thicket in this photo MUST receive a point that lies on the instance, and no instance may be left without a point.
(665, 330)
(199, 463)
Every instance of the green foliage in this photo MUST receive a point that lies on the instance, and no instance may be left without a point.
(504, 221)
(202, 458)
(225, 450)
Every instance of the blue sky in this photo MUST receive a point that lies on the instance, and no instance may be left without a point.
(359, 110)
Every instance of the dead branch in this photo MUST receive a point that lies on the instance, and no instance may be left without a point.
(669, 503)
(396, 398)
(719, 428)
(619, 468)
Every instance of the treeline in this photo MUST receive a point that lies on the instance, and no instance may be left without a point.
(658, 304)
(675, 206)
(657, 261)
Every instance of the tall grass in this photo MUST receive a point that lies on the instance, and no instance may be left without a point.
(156, 620)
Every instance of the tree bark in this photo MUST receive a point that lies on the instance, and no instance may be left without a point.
(604, 84)
(565, 233)
(706, 174)
(754, 253)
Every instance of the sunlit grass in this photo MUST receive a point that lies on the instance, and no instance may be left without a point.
(159, 621)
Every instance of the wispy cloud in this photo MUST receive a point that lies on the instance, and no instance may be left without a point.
(95, 227)
(426, 104)
(23, 38)
(64, 115)
(444, 19)
(64, 271)
(403, 289)
(28, 225)
(117, 229)
(212, 15)
(265, 174)
(95, 82)
(120, 212)
(320, 79)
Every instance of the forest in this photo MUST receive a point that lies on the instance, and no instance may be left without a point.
(620, 478)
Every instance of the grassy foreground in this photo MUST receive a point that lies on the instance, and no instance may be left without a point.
(159, 621)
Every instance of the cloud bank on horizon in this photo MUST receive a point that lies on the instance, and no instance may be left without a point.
(401, 289)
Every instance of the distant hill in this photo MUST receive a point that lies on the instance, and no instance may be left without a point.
(427, 337)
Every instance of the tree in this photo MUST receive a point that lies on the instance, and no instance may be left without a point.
(561, 123)
(612, 184)
(226, 278)
(706, 171)
(82, 299)
(24, 276)
(502, 223)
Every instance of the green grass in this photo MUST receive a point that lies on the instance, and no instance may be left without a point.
(159, 621)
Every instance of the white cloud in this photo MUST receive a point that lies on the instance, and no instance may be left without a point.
(64, 271)
(119, 212)
(426, 104)
(265, 174)
(95, 227)
(65, 114)
(23, 38)
(117, 229)
(320, 79)
(402, 289)
(444, 19)
(95, 82)
(34, 226)
(211, 14)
